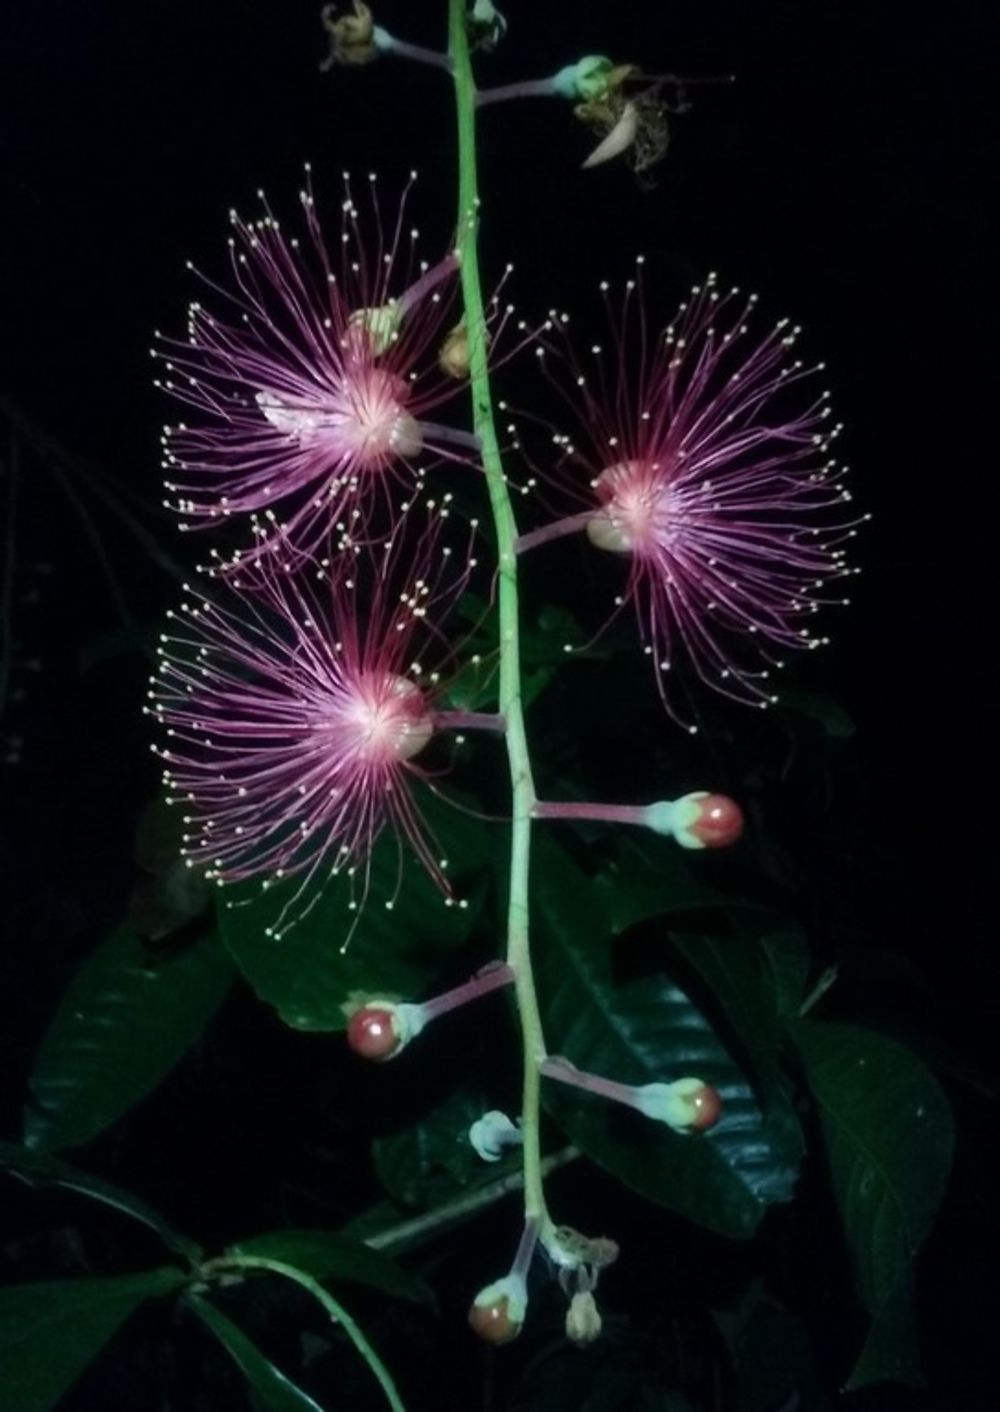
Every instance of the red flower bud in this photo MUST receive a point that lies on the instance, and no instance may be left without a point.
(372, 1032)
(708, 820)
(497, 1313)
(687, 1105)
(706, 1108)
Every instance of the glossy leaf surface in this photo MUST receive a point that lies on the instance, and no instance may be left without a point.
(271, 1386)
(41, 1169)
(50, 1331)
(637, 1026)
(126, 1019)
(307, 975)
(889, 1137)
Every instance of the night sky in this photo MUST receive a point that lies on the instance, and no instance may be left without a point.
(844, 176)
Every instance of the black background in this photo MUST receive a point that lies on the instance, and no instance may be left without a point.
(845, 176)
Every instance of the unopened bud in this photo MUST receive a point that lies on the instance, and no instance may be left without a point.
(453, 357)
(687, 1105)
(382, 1028)
(491, 1133)
(498, 1310)
(583, 1319)
(697, 820)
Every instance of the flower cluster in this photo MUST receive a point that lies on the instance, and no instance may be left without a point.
(293, 713)
(300, 686)
(299, 682)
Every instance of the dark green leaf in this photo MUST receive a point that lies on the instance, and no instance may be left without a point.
(740, 981)
(306, 975)
(433, 1159)
(327, 1256)
(276, 1391)
(652, 879)
(786, 952)
(773, 1356)
(889, 1137)
(645, 1029)
(544, 645)
(39, 1169)
(49, 1332)
(890, 1349)
(474, 685)
(124, 1022)
(371, 1223)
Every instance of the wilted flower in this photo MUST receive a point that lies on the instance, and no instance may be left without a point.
(706, 469)
(295, 712)
(310, 380)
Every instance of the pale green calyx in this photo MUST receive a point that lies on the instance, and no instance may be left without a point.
(674, 817)
(488, 20)
(407, 1020)
(513, 1289)
(670, 1103)
(586, 80)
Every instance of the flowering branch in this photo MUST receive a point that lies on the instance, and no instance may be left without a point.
(522, 783)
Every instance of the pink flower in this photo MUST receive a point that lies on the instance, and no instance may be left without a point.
(708, 472)
(296, 714)
(310, 382)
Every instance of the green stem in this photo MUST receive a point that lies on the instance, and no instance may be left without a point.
(333, 1307)
(522, 784)
(408, 1234)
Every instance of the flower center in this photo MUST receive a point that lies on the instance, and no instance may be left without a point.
(365, 421)
(635, 509)
(388, 719)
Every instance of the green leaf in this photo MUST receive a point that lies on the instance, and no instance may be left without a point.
(125, 1020)
(639, 1030)
(306, 975)
(50, 1331)
(276, 1391)
(544, 646)
(40, 1169)
(736, 972)
(889, 1136)
(652, 879)
(786, 953)
(327, 1256)
(432, 1159)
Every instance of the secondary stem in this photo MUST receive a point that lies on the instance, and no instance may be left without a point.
(432, 1223)
(522, 784)
(333, 1307)
(606, 813)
